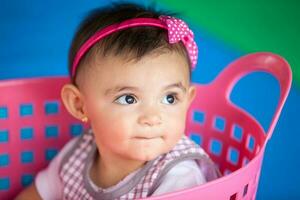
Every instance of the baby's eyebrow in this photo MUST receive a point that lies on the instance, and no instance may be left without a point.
(121, 88)
(178, 85)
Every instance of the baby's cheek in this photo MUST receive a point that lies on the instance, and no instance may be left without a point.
(175, 130)
(177, 123)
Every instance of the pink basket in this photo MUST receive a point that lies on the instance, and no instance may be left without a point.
(34, 125)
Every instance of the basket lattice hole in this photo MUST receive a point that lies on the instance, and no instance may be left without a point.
(50, 153)
(245, 190)
(26, 110)
(4, 160)
(199, 116)
(197, 138)
(51, 107)
(3, 112)
(76, 129)
(219, 123)
(27, 157)
(215, 147)
(4, 136)
(245, 161)
(51, 131)
(237, 133)
(250, 144)
(26, 179)
(227, 172)
(233, 197)
(233, 155)
(4, 184)
(26, 133)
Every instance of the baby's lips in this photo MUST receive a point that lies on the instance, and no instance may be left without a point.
(147, 136)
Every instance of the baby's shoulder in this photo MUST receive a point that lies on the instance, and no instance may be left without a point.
(185, 168)
(69, 145)
(47, 181)
(184, 174)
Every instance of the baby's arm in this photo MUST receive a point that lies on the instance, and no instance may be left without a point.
(29, 193)
(47, 184)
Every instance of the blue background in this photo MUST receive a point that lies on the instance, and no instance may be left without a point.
(35, 37)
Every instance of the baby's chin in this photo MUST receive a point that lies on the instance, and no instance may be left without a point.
(150, 155)
(146, 157)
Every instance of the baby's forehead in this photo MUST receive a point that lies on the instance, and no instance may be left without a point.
(111, 90)
(154, 68)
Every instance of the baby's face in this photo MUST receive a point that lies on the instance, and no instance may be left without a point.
(138, 110)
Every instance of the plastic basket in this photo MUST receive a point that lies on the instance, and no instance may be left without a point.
(34, 125)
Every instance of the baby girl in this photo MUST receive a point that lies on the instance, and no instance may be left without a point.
(130, 72)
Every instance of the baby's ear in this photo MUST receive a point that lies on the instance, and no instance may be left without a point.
(73, 100)
(191, 94)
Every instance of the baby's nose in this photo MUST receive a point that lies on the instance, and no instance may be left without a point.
(151, 117)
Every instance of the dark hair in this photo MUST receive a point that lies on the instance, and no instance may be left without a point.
(132, 42)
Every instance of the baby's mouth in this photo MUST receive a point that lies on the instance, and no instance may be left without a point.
(147, 137)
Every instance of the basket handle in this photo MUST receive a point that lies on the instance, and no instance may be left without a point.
(261, 61)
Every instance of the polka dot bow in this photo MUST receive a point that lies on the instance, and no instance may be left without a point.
(179, 31)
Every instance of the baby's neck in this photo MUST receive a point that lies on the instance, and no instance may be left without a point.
(106, 173)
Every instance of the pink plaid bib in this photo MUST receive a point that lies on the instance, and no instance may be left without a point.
(77, 185)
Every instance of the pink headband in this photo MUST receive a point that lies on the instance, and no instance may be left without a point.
(177, 31)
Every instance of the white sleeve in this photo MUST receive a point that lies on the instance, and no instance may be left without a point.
(47, 181)
(185, 174)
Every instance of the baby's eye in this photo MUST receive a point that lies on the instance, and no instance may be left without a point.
(126, 99)
(169, 99)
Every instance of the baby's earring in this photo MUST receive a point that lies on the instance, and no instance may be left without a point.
(84, 119)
